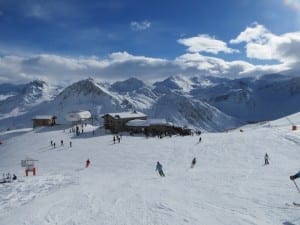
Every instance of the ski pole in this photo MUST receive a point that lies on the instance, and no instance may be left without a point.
(297, 186)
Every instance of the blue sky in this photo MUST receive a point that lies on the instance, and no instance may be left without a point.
(156, 33)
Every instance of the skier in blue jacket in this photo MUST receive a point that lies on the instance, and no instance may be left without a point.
(159, 169)
(297, 175)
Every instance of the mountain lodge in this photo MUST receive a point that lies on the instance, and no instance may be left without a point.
(116, 122)
(43, 120)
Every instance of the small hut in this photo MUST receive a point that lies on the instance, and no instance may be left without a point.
(44, 120)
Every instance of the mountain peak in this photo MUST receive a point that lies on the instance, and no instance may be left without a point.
(131, 84)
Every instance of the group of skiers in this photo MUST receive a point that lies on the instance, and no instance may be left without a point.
(8, 178)
(76, 130)
(117, 138)
(53, 144)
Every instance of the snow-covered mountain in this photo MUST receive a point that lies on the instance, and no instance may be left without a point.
(8, 90)
(138, 95)
(208, 103)
(25, 97)
(191, 112)
(254, 99)
(86, 95)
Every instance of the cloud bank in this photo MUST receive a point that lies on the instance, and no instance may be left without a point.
(279, 52)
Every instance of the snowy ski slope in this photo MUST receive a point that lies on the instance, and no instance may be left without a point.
(229, 184)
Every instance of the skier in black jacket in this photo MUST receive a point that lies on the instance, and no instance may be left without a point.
(297, 175)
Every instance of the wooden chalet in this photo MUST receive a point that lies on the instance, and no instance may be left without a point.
(116, 122)
(44, 120)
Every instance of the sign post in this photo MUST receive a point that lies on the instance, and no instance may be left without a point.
(29, 166)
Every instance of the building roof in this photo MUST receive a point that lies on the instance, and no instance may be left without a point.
(78, 115)
(147, 123)
(43, 117)
(124, 115)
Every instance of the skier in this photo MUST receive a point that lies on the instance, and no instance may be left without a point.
(297, 175)
(77, 130)
(51, 142)
(293, 177)
(70, 144)
(54, 144)
(114, 139)
(14, 177)
(159, 169)
(266, 159)
(61, 142)
(200, 139)
(193, 163)
(87, 164)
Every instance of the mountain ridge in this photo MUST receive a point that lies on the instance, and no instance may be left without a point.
(207, 103)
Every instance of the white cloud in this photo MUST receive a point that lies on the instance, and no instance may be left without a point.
(121, 57)
(213, 66)
(205, 43)
(264, 45)
(260, 44)
(137, 26)
(294, 4)
(116, 66)
(255, 33)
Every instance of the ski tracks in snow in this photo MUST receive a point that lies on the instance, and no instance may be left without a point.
(19, 193)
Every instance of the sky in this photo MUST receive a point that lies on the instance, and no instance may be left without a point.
(111, 40)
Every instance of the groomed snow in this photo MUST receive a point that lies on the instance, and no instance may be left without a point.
(229, 184)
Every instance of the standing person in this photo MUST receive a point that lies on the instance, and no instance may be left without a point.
(193, 162)
(51, 142)
(77, 130)
(295, 176)
(87, 163)
(70, 144)
(266, 159)
(61, 142)
(114, 139)
(159, 169)
(54, 144)
(119, 139)
(200, 139)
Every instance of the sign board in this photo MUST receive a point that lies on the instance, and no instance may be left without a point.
(28, 162)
